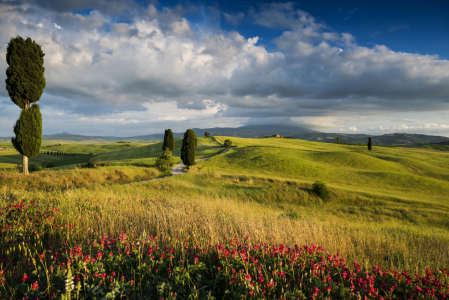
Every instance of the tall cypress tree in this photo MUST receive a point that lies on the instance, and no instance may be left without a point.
(25, 83)
(370, 145)
(169, 141)
(189, 144)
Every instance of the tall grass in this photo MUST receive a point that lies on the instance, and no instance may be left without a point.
(181, 207)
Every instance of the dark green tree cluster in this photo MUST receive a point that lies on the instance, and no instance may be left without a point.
(227, 143)
(189, 145)
(338, 140)
(25, 83)
(207, 134)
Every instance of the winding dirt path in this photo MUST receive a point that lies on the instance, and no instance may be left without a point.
(179, 168)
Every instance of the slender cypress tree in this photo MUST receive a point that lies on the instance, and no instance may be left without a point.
(370, 145)
(25, 83)
(189, 144)
(169, 141)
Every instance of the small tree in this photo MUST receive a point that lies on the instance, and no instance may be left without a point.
(165, 162)
(227, 144)
(207, 134)
(25, 83)
(370, 145)
(169, 141)
(338, 140)
(189, 144)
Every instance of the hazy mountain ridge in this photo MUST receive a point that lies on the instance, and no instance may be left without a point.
(260, 131)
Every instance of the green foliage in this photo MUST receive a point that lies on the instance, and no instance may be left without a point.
(214, 138)
(207, 134)
(28, 131)
(165, 162)
(227, 143)
(25, 79)
(370, 145)
(169, 141)
(321, 190)
(189, 145)
(338, 140)
(36, 168)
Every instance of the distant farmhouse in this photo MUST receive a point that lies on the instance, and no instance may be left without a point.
(277, 136)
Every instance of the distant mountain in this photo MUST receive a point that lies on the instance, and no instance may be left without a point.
(260, 131)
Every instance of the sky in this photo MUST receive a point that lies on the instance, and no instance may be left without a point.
(137, 67)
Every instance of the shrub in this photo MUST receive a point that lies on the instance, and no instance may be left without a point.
(207, 134)
(227, 144)
(36, 168)
(321, 190)
(291, 214)
(214, 138)
(164, 162)
(51, 165)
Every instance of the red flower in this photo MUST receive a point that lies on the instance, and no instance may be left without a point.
(132, 282)
(99, 255)
(24, 277)
(35, 286)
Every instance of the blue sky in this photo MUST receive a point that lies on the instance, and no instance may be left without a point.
(132, 68)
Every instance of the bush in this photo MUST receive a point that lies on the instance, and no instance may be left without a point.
(51, 165)
(321, 190)
(165, 162)
(227, 144)
(214, 138)
(36, 168)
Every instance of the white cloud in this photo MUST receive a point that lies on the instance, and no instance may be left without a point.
(96, 67)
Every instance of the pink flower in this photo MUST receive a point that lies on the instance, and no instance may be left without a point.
(132, 282)
(99, 255)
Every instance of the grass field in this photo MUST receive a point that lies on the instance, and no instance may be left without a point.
(388, 207)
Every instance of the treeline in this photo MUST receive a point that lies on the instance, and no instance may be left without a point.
(64, 153)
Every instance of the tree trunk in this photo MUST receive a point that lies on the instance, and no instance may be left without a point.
(25, 164)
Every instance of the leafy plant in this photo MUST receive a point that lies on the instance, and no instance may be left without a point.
(321, 190)
(165, 162)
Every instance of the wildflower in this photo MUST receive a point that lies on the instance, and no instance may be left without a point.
(24, 277)
(132, 282)
(99, 255)
(35, 286)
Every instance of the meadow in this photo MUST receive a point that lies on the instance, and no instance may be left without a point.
(387, 209)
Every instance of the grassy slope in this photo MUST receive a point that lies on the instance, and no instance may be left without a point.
(84, 148)
(10, 160)
(406, 173)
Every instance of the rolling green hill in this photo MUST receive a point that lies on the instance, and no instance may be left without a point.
(387, 171)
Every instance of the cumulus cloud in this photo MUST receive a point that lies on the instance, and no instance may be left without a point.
(97, 66)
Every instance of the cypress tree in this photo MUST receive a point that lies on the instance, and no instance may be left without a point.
(169, 141)
(370, 145)
(28, 131)
(189, 144)
(25, 83)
